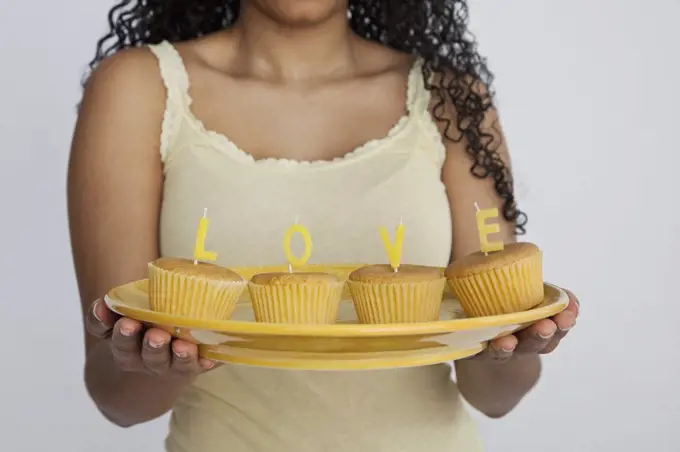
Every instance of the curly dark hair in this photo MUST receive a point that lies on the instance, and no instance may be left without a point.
(434, 30)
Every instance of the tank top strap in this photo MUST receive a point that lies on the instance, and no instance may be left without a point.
(418, 98)
(417, 95)
(176, 81)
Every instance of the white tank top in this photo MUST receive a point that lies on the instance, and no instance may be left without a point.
(343, 203)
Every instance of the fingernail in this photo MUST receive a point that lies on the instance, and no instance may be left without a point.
(564, 330)
(504, 349)
(95, 306)
(155, 344)
(127, 331)
(207, 364)
(546, 336)
(181, 355)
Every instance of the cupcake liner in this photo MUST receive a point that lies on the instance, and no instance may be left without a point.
(513, 288)
(397, 302)
(192, 296)
(296, 303)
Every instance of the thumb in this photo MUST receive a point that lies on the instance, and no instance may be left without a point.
(100, 319)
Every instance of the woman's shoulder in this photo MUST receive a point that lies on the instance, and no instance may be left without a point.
(132, 70)
(127, 84)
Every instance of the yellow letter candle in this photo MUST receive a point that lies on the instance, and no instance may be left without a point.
(486, 229)
(393, 250)
(303, 297)
(294, 261)
(200, 254)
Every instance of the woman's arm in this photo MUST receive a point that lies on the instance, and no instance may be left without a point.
(114, 195)
(491, 386)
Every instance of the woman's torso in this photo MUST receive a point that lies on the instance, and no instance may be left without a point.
(342, 202)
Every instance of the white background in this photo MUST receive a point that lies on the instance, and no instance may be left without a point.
(589, 93)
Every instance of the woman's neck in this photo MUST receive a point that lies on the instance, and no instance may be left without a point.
(295, 53)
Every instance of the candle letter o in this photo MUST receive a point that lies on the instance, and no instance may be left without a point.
(288, 238)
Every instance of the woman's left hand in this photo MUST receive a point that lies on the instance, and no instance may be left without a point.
(540, 338)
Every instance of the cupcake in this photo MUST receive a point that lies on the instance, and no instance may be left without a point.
(196, 290)
(309, 298)
(411, 294)
(501, 282)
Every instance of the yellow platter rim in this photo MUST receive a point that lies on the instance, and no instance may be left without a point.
(329, 363)
(561, 300)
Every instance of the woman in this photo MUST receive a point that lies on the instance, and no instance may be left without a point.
(349, 113)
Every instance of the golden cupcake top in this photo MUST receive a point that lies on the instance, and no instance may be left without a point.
(189, 268)
(386, 274)
(479, 262)
(283, 278)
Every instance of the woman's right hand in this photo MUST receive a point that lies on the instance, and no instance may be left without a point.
(147, 350)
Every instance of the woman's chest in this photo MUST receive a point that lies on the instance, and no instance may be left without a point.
(250, 206)
(321, 123)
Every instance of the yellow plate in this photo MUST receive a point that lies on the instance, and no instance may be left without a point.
(346, 345)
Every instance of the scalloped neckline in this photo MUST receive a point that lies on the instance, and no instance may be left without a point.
(225, 145)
